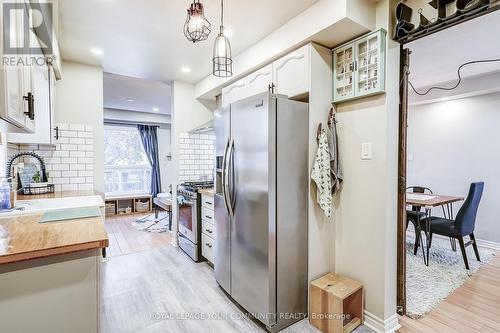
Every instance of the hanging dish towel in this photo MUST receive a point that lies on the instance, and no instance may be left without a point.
(321, 174)
(333, 145)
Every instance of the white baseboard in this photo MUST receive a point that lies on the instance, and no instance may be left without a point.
(480, 242)
(488, 244)
(390, 325)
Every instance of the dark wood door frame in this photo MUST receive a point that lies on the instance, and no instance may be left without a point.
(402, 142)
(402, 151)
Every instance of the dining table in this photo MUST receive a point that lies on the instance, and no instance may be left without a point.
(428, 202)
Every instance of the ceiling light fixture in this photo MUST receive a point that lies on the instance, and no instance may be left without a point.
(197, 27)
(186, 69)
(96, 51)
(130, 100)
(155, 109)
(222, 61)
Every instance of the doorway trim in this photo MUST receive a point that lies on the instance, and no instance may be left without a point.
(402, 151)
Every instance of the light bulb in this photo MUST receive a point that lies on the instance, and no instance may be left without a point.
(195, 23)
(221, 47)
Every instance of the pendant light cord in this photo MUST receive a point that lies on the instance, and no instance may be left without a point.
(221, 16)
(458, 74)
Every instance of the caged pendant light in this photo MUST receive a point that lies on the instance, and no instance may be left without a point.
(197, 27)
(222, 61)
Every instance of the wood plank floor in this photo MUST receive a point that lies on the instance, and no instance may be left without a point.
(150, 291)
(125, 239)
(473, 307)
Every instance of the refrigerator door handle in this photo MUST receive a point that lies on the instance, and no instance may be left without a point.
(227, 192)
(224, 176)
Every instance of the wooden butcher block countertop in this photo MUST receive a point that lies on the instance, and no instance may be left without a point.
(28, 239)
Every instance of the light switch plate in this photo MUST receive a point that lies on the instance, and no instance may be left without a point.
(366, 151)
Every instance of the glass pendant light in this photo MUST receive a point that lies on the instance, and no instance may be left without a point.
(222, 61)
(197, 28)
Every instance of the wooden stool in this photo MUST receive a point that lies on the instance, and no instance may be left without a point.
(335, 304)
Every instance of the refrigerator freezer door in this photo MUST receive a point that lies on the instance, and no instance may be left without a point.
(222, 258)
(222, 130)
(252, 241)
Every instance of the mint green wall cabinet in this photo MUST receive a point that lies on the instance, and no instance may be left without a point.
(359, 67)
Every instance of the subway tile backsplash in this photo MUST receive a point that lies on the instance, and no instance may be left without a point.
(196, 157)
(70, 162)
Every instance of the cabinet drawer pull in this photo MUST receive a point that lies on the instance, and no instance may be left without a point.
(209, 245)
(208, 217)
(208, 203)
(209, 231)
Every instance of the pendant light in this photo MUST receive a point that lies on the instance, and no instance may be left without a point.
(197, 28)
(222, 61)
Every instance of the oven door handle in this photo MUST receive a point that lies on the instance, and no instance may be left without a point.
(227, 193)
(224, 174)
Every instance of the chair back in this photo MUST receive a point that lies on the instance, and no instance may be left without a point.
(465, 221)
(418, 189)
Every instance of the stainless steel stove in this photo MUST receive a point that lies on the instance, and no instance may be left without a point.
(189, 217)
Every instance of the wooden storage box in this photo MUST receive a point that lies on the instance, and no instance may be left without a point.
(110, 209)
(336, 304)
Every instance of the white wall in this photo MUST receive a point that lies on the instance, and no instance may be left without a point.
(187, 114)
(167, 165)
(454, 143)
(327, 22)
(79, 100)
(366, 210)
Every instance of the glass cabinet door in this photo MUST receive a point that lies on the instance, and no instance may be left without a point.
(343, 75)
(369, 64)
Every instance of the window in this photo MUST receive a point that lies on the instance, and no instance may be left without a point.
(126, 166)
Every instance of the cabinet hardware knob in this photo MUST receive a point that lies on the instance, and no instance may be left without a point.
(209, 245)
(208, 230)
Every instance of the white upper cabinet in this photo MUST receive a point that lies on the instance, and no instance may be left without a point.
(234, 92)
(43, 88)
(291, 73)
(359, 67)
(260, 80)
(16, 86)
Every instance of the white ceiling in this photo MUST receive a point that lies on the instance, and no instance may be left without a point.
(145, 38)
(127, 93)
(435, 59)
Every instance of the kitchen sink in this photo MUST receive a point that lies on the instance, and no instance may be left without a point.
(59, 209)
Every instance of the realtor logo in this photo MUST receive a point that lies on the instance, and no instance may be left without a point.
(25, 24)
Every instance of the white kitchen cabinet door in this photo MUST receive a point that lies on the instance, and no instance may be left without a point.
(16, 81)
(234, 92)
(12, 76)
(291, 73)
(28, 70)
(370, 64)
(44, 116)
(259, 81)
(343, 72)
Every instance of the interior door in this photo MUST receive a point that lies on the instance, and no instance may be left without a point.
(250, 269)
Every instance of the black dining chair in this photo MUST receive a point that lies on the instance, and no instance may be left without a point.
(415, 215)
(464, 224)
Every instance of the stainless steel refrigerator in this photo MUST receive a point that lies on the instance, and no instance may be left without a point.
(261, 207)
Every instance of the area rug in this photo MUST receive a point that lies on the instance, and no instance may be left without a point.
(427, 286)
(150, 224)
